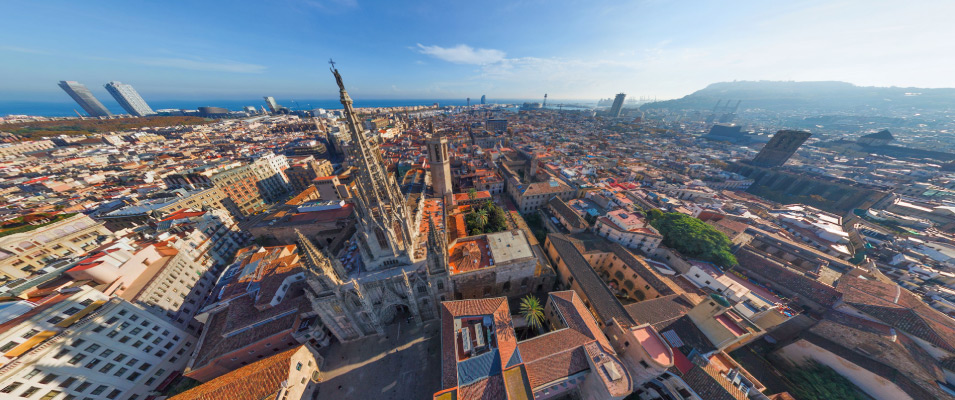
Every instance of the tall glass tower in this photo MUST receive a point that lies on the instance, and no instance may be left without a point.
(127, 97)
(85, 99)
(617, 105)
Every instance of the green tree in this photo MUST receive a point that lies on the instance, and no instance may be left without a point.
(532, 311)
(472, 194)
(481, 217)
(653, 214)
(694, 238)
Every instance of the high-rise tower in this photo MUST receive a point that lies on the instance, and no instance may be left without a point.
(440, 164)
(384, 224)
(82, 96)
(780, 148)
(483, 99)
(617, 105)
(129, 99)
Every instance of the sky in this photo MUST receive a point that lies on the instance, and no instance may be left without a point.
(518, 49)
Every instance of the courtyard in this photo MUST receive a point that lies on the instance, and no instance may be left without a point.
(402, 364)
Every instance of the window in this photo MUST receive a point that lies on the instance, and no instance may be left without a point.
(69, 381)
(93, 363)
(132, 376)
(76, 359)
(30, 334)
(29, 392)
(93, 347)
(115, 393)
(106, 353)
(11, 387)
(7, 347)
(99, 389)
(120, 372)
(31, 374)
(78, 343)
(106, 368)
(49, 378)
(145, 366)
(54, 320)
(298, 367)
(50, 395)
(119, 357)
(71, 310)
(644, 364)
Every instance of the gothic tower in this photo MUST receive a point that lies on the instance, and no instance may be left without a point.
(440, 165)
(385, 234)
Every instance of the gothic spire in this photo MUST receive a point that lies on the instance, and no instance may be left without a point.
(320, 261)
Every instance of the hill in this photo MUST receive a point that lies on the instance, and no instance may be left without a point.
(826, 96)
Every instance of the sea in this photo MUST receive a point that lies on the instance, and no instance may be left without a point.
(66, 108)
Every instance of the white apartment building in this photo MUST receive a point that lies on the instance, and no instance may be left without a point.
(24, 253)
(269, 170)
(169, 278)
(76, 343)
(628, 229)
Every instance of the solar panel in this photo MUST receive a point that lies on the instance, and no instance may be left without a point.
(672, 338)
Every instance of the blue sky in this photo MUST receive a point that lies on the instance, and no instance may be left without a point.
(453, 49)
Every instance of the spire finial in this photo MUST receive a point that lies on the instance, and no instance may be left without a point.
(332, 62)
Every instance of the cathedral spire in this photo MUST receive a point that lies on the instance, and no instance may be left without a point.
(319, 261)
(385, 226)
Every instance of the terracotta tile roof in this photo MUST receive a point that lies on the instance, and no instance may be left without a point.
(578, 317)
(595, 290)
(503, 328)
(556, 366)
(491, 388)
(658, 310)
(895, 358)
(469, 255)
(710, 385)
(252, 382)
(900, 309)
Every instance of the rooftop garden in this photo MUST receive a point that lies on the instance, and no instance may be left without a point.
(30, 222)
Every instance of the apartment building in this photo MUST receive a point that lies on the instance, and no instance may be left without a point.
(629, 229)
(19, 148)
(24, 253)
(269, 170)
(303, 169)
(78, 343)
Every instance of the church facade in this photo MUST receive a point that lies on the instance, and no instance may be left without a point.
(391, 282)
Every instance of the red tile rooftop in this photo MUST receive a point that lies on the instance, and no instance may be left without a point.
(469, 255)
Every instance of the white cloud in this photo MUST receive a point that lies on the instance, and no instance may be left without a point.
(463, 54)
(203, 65)
(23, 50)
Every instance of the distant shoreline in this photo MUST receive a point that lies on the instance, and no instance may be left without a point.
(65, 108)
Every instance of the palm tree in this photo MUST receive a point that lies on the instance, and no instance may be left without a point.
(532, 311)
(481, 218)
(472, 194)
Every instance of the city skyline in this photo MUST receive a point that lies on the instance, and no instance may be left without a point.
(655, 49)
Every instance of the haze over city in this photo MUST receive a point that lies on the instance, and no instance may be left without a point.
(447, 200)
(442, 50)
